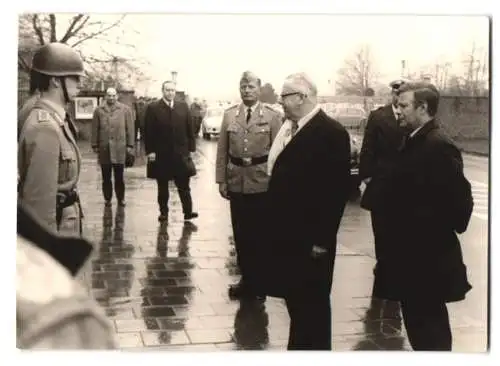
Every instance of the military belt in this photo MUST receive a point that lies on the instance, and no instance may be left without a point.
(65, 199)
(248, 161)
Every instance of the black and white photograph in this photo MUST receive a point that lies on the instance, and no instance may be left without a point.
(253, 182)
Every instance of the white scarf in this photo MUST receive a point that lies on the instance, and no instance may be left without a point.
(284, 136)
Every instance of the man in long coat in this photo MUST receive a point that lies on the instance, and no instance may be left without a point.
(112, 137)
(428, 200)
(169, 141)
(309, 164)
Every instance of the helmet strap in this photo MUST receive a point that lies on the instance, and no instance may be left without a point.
(65, 90)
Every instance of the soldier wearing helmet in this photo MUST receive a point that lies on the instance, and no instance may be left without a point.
(48, 157)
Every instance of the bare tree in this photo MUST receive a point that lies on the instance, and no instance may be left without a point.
(268, 95)
(358, 74)
(440, 74)
(78, 30)
(475, 79)
(476, 75)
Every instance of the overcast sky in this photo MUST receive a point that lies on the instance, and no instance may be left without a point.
(210, 52)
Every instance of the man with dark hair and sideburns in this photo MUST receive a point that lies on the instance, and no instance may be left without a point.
(428, 200)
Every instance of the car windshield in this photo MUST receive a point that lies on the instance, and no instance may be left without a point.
(354, 112)
(215, 112)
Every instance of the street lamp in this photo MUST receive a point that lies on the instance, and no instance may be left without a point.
(174, 76)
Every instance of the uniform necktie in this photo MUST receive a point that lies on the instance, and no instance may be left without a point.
(249, 114)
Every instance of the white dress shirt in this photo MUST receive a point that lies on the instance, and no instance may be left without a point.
(284, 136)
(170, 104)
(252, 108)
(394, 109)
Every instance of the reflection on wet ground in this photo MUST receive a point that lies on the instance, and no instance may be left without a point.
(165, 286)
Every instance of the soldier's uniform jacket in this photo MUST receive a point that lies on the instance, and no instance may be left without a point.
(53, 310)
(112, 132)
(49, 165)
(25, 110)
(245, 141)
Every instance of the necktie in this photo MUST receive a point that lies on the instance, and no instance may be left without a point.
(295, 126)
(249, 114)
(404, 141)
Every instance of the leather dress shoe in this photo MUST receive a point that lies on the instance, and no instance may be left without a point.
(189, 216)
(236, 291)
(240, 292)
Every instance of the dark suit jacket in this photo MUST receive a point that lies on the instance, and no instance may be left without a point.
(382, 139)
(307, 193)
(169, 134)
(428, 200)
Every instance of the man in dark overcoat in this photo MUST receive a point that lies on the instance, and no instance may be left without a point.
(169, 142)
(428, 200)
(309, 164)
(383, 137)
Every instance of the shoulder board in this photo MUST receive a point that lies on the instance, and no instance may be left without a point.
(42, 115)
(269, 107)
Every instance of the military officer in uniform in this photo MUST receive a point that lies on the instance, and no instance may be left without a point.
(48, 157)
(247, 133)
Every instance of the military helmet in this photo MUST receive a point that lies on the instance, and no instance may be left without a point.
(396, 84)
(58, 59)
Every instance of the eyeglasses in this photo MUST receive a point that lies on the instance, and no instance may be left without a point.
(283, 96)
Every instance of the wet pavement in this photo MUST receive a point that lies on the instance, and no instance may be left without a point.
(165, 286)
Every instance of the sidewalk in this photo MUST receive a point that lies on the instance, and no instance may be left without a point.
(165, 287)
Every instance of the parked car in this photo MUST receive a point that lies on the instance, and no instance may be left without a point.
(352, 118)
(210, 126)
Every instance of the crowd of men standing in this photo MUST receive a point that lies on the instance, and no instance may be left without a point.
(286, 175)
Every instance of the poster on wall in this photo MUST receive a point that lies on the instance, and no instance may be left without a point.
(84, 107)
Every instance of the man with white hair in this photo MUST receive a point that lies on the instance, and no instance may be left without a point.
(112, 139)
(309, 164)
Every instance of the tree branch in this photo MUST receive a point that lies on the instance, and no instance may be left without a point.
(101, 31)
(21, 63)
(82, 25)
(70, 32)
(53, 36)
(37, 29)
